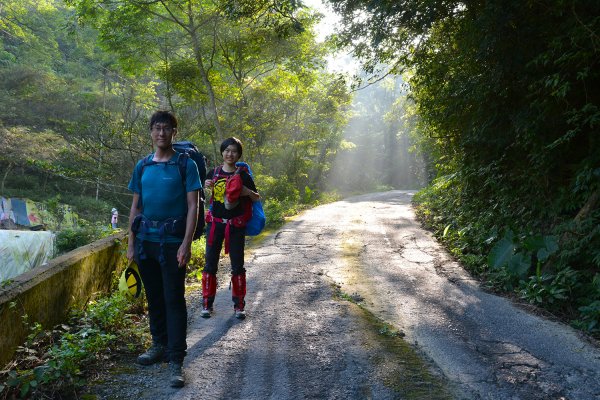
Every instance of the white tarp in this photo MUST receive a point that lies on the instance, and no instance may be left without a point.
(21, 251)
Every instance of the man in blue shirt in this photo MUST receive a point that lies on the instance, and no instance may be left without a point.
(163, 219)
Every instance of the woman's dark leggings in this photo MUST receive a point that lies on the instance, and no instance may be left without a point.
(237, 240)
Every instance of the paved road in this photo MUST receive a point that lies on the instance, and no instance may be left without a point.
(303, 339)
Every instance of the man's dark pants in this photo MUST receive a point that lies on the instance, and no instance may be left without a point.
(165, 292)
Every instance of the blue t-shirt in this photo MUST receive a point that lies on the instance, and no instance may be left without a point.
(162, 192)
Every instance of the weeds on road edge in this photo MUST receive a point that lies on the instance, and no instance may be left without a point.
(399, 365)
(50, 364)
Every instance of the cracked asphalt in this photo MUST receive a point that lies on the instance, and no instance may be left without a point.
(303, 339)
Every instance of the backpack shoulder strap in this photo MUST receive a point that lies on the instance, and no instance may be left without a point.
(145, 162)
(182, 164)
(240, 169)
(216, 173)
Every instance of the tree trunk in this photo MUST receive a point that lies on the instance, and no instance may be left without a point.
(10, 165)
(590, 205)
(319, 165)
(391, 166)
(192, 29)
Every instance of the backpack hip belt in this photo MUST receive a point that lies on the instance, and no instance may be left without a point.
(237, 222)
(170, 226)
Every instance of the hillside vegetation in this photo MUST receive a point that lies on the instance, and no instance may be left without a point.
(78, 81)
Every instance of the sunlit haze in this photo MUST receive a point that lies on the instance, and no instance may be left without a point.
(341, 61)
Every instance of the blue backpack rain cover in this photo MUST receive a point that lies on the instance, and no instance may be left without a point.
(256, 224)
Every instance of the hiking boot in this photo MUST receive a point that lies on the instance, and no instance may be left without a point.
(176, 380)
(238, 291)
(240, 314)
(155, 354)
(209, 290)
(206, 312)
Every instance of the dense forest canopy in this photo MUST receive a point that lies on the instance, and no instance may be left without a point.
(507, 107)
(81, 77)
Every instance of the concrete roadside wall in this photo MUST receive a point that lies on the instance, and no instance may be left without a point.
(46, 294)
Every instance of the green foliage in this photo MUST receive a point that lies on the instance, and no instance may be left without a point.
(71, 238)
(532, 250)
(50, 363)
(275, 211)
(538, 266)
(589, 309)
(308, 195)
(389, 330)
(589, 318)
(552, 291)
(535, 266)
(90, 209)
(328, 197)
(502, 252)
(277, 188)
(196, 264)
(5, 283)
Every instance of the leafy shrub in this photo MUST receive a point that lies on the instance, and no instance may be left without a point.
(589, 319)
(196, 264)
(551, 290)
(278, 188)
(328, 197)
(502, 279)
(551, 266)
(89, 208)
(517, 254)
(308, 195)
(72, 238)
(23, 182)
(50, 362)
(274, 212)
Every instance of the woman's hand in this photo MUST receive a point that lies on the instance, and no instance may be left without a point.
(254, 196)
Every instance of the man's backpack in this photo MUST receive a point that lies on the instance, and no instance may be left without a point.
(186, 150)
(192, 151)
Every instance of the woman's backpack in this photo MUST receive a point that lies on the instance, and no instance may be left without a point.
(253, 217)
(257, 222)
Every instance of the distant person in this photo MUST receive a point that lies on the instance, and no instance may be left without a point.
(163, 219)
(225, 225)
(114, 219)
(3, 218)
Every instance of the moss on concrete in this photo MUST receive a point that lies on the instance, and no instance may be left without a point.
(47, 294)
